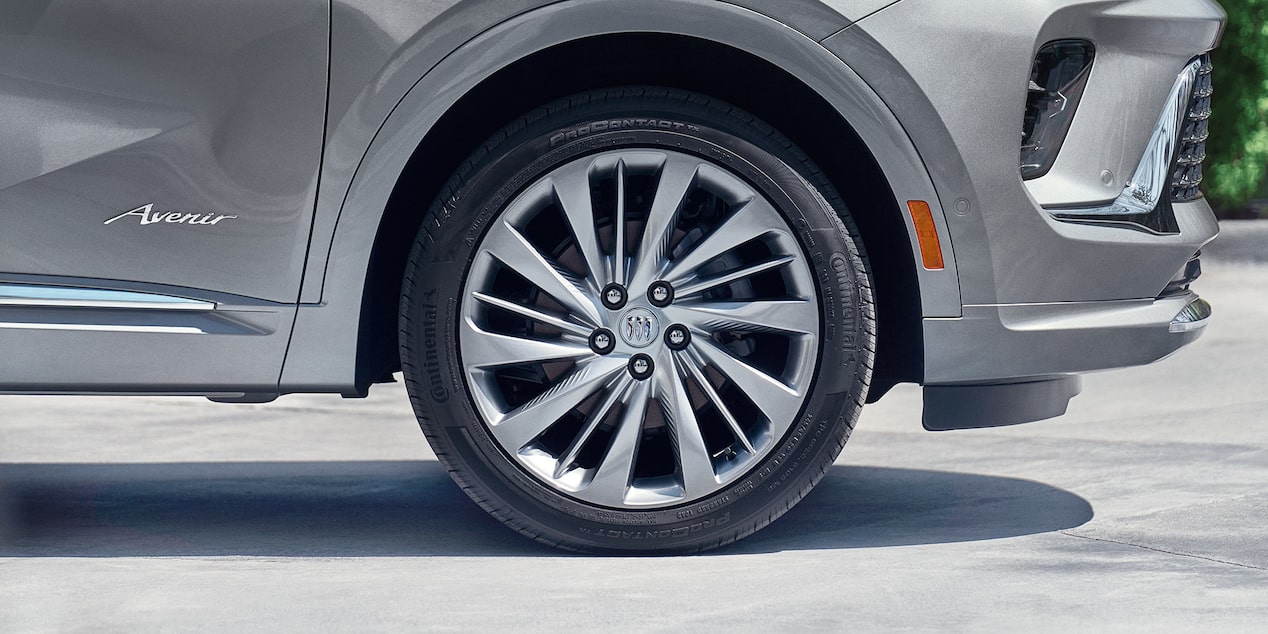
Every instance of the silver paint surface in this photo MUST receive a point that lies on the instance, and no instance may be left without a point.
(208, 107)
(298, 116)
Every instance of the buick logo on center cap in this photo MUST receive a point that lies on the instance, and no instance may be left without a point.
(639, 327)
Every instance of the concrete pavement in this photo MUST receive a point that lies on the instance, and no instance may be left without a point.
(1144, 508)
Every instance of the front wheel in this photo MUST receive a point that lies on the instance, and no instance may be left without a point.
(637, 320)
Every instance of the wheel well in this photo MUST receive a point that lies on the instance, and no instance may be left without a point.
(653, 59)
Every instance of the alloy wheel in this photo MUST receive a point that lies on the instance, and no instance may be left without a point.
(639, 328)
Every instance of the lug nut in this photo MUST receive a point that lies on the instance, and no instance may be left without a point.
(660, 294)
(641, 366)
(614, 296)
(677, 337)
(602, 341)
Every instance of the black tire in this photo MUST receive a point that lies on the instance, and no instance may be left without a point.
(448, 242)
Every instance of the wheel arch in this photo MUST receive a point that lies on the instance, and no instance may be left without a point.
(872, 164)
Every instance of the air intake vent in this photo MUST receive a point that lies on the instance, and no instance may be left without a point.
(1057, 79)
(1186, 176)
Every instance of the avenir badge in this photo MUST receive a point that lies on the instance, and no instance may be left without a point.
(147, 216)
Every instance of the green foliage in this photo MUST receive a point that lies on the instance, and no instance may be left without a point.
(1238, 147)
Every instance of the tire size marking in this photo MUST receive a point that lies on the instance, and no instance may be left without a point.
(664, 533)
(704, 508)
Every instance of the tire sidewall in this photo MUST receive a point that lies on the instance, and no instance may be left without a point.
(450, 240)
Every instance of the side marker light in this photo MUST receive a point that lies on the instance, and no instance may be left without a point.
(926, 234)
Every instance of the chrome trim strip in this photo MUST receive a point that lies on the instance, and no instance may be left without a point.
(1195, 316)
(73, 297)
(1149, 184)
(180, 330)
(1187, 326)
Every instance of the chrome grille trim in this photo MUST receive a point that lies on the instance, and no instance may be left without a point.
(1145, 201)
(1186, 176)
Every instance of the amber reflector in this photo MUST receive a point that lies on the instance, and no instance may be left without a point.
(927, 234)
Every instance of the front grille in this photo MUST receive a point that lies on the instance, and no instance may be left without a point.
(1186, 176)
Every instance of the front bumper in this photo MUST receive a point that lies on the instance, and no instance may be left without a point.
(1041, 348)
(1044, 296)
(1023, 342)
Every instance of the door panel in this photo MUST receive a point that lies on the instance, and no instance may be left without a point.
(195, 108)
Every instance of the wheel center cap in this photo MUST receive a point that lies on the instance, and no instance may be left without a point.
(638, 327)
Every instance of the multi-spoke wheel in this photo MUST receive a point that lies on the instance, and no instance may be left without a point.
(638, 323)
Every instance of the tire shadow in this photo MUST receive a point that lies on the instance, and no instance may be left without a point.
(869, 507)
(412, 508)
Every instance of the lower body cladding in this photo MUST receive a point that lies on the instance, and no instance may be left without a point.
(1046, 344)
(80, 336)
(1009, 363)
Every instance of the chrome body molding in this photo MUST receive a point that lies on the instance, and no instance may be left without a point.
(187, 330)
(1195, 316)
(44, 307)
(71, 297)
(1148, 186)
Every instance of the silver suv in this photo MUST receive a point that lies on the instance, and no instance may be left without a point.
(640, 263)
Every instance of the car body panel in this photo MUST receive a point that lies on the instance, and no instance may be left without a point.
(380, 50)
(1099, 283)
(299, 116)
(206, 109)
(817, 19)
(926, 58)
(321, 355)
(232, 352)
(193, 107)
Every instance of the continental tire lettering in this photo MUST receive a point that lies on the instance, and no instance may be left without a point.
(619, 124)
(848, 289)
(431, 350)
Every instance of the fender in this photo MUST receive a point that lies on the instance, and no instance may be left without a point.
(322, 355)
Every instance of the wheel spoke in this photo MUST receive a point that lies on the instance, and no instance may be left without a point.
(749, 221)
(797, 316)
(615, 393)
(526, 422)
(776, 400)
(676, 179)
(694, 462)
(572, 190)
(534, 314)
(688, 363)
(618, 236)
(612, 479)
(484, 350)
(702, 285)
(511, 248)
